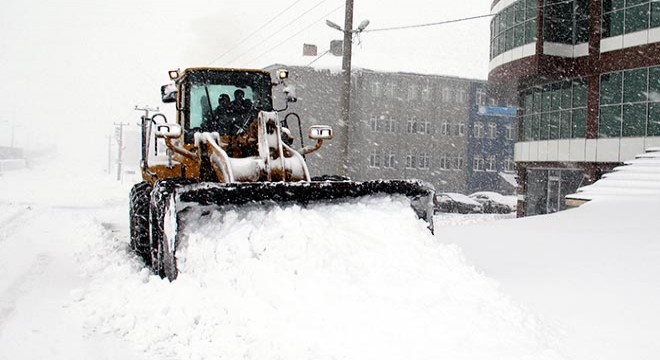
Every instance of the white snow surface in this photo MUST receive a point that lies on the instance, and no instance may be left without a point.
(637, 177)
(359, 280)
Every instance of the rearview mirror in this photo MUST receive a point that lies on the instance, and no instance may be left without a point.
(320, 132)
(168, 131)
(168, 93)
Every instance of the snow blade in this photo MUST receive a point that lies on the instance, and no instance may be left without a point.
(170, 197)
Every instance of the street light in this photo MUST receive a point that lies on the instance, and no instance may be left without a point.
(333, 25)
(345, 96)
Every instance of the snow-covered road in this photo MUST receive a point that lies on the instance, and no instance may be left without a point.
(356, 281)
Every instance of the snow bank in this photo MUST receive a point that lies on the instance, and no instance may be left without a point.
(363, 280)
(12, 164)
(62, 182)
(594, 271)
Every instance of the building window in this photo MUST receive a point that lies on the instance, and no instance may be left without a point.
(412, 125)
(554, 111)
(629, 102)
(375, 89)
(374, 158)
(481, 98)
(478, 163)
(424, 160)
(459, 163)
(389, 125)
(619, 18)
(412, 92)
(513, 27)
(461, 96)
(509, 165)
(390, 90)
(566, 21)
(390, 160)
(491, 163)
(444, 128)
(424, 127)
(446, 94)
(478, 130)
(426, 93)
(492, 130)
(411, 160)
(508, 130)
(460, 129)
(443, 162)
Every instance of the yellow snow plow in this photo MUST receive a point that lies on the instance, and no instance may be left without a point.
(231, 151)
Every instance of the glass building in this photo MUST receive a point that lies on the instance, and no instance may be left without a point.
(585, 75)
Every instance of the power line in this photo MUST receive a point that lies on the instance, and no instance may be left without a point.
(296, 34)
(452, 21)
(254, 32)
(430, 24)
(279, 31)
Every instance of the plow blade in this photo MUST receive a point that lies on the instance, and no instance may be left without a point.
(170, 197)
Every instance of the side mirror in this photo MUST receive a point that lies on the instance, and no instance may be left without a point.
(320, 132)
(290, 93)
(168, 93)
(168, 131)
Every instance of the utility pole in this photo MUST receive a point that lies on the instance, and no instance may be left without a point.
(345, 92)
(144, 122)
(146, 109)
(119, 135)
(345, 96)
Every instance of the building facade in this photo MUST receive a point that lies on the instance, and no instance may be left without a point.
(491, 135)
(402, 125)
(585, 75)
(410, 126)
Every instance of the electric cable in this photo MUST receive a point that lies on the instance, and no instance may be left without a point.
(254, 32)
(430, 24)
(296, 34)
(277, 32)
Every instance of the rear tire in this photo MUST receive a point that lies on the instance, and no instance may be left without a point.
(139, 221)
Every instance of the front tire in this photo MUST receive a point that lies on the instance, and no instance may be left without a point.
(163, 258)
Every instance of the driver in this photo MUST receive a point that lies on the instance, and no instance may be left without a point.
(240, 103)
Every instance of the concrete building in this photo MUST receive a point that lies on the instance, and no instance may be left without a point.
(403, 125)
(491, 135)
(585, 76)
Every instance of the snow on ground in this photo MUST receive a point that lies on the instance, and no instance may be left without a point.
(294, 283)
(46, 218)
(593, 272)
(360, 280)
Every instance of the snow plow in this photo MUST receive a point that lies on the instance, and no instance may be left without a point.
(235, 153)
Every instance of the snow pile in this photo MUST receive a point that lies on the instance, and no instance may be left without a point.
(637, 178)
(363, 280)
(594, 271)
(61, 182)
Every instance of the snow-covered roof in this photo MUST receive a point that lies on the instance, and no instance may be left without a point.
(637, 177)
(502, 199)
(356, 70)
(461, 198)
(510, 178)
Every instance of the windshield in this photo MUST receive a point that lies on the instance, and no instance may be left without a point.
(206, 87)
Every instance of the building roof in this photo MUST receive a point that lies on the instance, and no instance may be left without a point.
(356, 69)
(509, 178)
(638, 177)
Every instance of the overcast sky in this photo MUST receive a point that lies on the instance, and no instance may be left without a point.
(75, 66)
